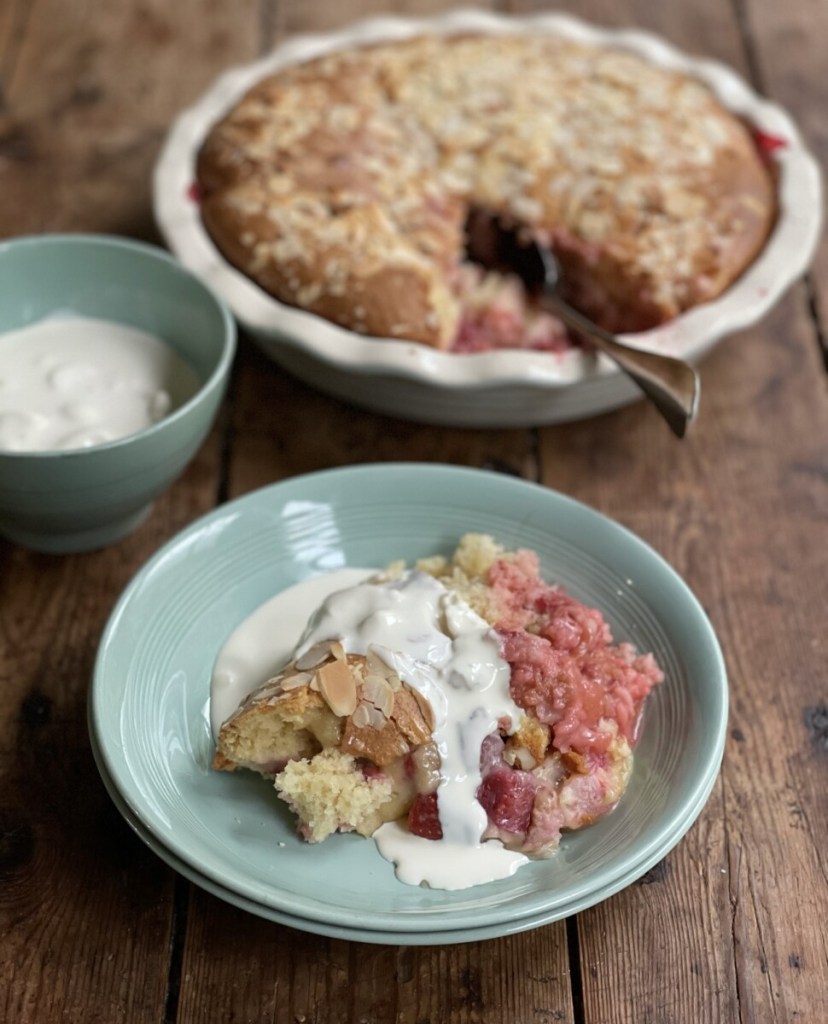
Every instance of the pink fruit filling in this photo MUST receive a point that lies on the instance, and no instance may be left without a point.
(498, 314)
(588, 691)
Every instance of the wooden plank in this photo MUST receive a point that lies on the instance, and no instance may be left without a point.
(85, 125)
(279, 428)
(278, 973)
(708, 937)
(83, 920)
(788, 54)
(773, 523)
(321, 16)
(735, 887)
(707, 29)
(85, 910)
(739, 509)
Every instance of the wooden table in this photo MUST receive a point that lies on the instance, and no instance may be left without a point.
(731, 925)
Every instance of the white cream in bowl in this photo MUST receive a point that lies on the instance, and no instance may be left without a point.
(70, 381)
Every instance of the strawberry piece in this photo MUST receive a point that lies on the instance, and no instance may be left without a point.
(424, 817)
(767, 143)
(508, 797)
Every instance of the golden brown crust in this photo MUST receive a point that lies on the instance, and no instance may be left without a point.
(341, 185)
(304, 254)
(262, 736)
(280, 721)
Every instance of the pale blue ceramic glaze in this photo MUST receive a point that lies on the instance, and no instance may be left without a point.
(150, 698)
(85, 498)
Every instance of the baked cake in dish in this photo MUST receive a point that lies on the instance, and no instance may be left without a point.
(360, 729)
(344, 186)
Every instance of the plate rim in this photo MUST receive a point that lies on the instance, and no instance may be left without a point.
(365, 934)
(666, 836)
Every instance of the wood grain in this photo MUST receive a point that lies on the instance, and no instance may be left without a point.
(729, 927)
(763, 412)
(281, 974)
(85, 910)
(788, 51)
(280, 427)
(86, 123)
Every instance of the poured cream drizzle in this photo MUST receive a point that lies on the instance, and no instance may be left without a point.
(442, 648)
(262, 644)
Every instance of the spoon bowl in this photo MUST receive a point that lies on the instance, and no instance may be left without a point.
(671, 384)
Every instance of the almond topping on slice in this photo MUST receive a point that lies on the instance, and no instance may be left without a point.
(360, 717)
(337, 686)
(378, 691)
(366, 716)
(426, 710)
(377, 667)
(337, 650)
(297, 679)
(376, 719)
(268, 690)
(410, 718)
(314, 656)
(374, 663)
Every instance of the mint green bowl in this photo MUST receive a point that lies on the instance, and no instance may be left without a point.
(86, 498)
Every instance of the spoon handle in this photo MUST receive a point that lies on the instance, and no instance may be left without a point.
(671, 384)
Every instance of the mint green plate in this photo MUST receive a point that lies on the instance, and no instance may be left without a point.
(149, 702)
(333, 931)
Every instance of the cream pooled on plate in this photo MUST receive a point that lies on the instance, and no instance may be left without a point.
(463, 713)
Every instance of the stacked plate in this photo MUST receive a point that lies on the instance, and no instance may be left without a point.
(150, 699)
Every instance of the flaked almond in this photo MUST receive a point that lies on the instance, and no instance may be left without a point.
(291, 682)
(337, 650)
(372, 684)
(426, 710)
(376, 666)
(386, 705)
(360, 717)
(277, 698)
(376, 719)
(409, 718)
(314, 656)
(378, 691)
(268, 690)
(337, 686)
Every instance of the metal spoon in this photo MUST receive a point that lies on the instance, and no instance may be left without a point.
(671, 384)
